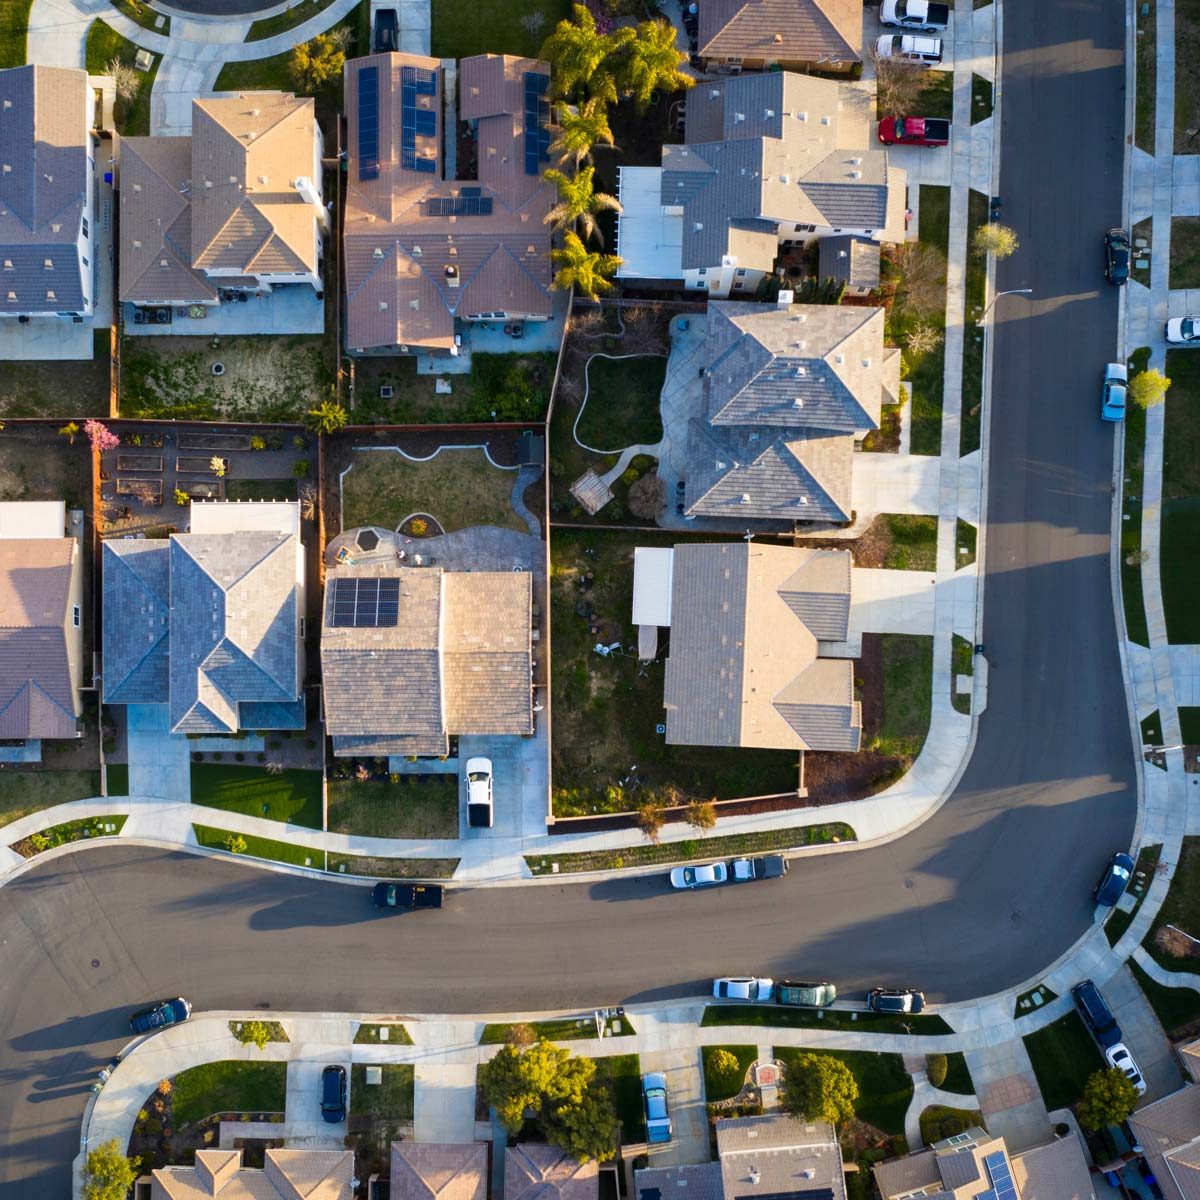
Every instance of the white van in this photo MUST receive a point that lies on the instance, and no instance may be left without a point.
(909, 47)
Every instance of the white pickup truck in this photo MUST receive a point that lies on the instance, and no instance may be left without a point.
(915, 14)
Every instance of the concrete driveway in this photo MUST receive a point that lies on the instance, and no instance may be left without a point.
(685, 1096)
(1143, 1036)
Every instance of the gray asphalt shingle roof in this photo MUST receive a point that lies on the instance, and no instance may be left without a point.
(137, 585)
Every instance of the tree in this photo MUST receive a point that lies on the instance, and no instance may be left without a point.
(724, 1072)
(936, 1067)
(578, 55)
(897, 85)
(516, 1080)
(995, 239)
(922, 338)
(921, 282)
(820, 1088)
(99, 436)
(70, 431)
(127, 80)
(1148, 388)
(108, 1174)
(579, 202)
(702, 814)
(649, 62)
(317, 64)
(648, 497)
(587, 271)
(328, 417)
(579, 130)
(1108, 1098)
(254, 1033)
(586, 1127)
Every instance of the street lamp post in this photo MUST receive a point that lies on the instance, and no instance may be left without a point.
(1011, 292)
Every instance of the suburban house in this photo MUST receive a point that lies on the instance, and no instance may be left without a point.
(788, 389)
(412, 655)
(439, 1171)
(769, 162)
(41, 627)
(440, 230)
(745, 665)
(974, 1164)
(770, 1156)
(1168, 1132)
(47, 221)
(536, 1171)
(210, 623)
(796, 35)
(286, 1174)
(233, 210)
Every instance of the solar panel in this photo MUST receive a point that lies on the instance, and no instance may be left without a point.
(368, 123)
(364, 603)
(537, 121)
(1003, 1186)
(459, 206)
(416, 122)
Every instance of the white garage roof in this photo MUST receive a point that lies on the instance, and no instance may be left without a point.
(653, 570)
(649, 238)
(33, 519)
(245, 516)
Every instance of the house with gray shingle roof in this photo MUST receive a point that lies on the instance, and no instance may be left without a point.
(1169, 1133)
(853, 261)
(745, 665)
(793, 35)
(411, 655)
(47, 224)
(769, 161)
(439, 1171)
(285, 1175)
(536, 1171)
(787, 390)
(210, 622)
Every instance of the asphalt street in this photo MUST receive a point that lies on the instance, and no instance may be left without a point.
(991, 889)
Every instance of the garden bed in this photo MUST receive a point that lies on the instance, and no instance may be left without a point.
(87, 829)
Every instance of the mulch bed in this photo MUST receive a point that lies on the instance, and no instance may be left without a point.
(1176, 944)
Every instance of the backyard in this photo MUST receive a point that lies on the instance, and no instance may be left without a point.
(290, 795)
(884, 1086)
(414, 806)
(58, 389)
(1063, 1056)
(1179, 566)
(103, 45)
(464, 27)
(35, 464)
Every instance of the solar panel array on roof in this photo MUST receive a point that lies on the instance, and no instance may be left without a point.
(368, 123)
(1003, 1187)
(537, 121)
(416, 122)
(458, 206)
(366, 603)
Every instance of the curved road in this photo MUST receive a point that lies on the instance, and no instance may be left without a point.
(989, 891)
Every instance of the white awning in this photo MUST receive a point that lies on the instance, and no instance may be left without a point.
(245, 516)
(649, 237)
(33, 519)
(653, 570)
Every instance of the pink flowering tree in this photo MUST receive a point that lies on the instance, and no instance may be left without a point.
(100, 436)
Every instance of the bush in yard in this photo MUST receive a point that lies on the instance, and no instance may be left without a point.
(725, 1072)
(920, 271)
(301, 468)
(702, 814)
(922, 338)
(936, 1066)
(181, 498)
(108, 1174)
(995, 239)
(517, 1079)
(1148, 388)
(651, 817)
(70, 431)
(258, 443)
(939, 1122)
(328, 417)
(235, 844)
(100, 437)
(1108, 1098)
(820, 1088)
(648, 497)
(254, 1033)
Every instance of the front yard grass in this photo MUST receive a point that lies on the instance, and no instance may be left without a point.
(1185, 252)
(907, 694)
(377, 867)
(777, 1016)
(260, 847)
(226, 1086)
(368, 1035)
(257, 75)
(1132, 598)
(1187, 77)
(459, 488)
(884, 1086)
(623, 403)
(14, 24)
(388, 1101)
(973, 334)
(962, 662)
(716, 1088)
(936, 98)
(914, 542)
(26, 792)
(621, 1074)
(463, 27)
(1180, 534)
(1177, 1009)
(292, 795)
(144, 15)
(1181, 907)
(418, 806)
(289, 19)
(60, 389)
(103, 45)
(1063, 1056)
(958, 1075)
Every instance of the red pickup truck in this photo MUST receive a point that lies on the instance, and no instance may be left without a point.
(914, 131)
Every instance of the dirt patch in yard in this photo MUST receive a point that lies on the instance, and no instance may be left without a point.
(1175, 943)
(57, 389)
(38, 463)
(1187, 77)
(892, 540)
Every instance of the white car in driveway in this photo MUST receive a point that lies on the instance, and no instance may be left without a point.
(479, 793)
(1183, 331)
(1118, 1056)
(705, 875)
(743, 987)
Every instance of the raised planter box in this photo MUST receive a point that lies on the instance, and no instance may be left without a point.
(139, 462)
(148, 491)
(203, 489)
(187, 465)
(214, 441)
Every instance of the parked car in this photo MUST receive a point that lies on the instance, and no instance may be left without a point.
(914, 131)
(479, 793)
(805, 995)
(1118, 1056)
(705, 875)
(766, 866)
(387, 38)
(333, 1093)
(895, 1000)
(1097, 1016)
(915, 14)
(1116, 256)
(160, 1015)
(658, 1114)
(743, 987)
(407, 896)
(909, 47)
(1112, 884)
(1183, 331)
(1112, 397)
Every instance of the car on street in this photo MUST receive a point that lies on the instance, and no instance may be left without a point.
(1112, 884)
(386, 32)
(895, 1000)
(479, 793)
(1118, 1056)
(160, 1015)
(658, 1114)
(915, 14)
(909, 47)
(743, 987)
(914, 131)
(805, 995)
(1097, 1016)
(407, 896)
(333, 1093)
(705, 875)
(1116, 256)
(767, 866)
(1183, 331)
(1112, 395)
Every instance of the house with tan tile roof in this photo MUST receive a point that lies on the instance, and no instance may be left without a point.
(286, 1175)
(439, 1171)
(423, 252)
(792, 35)
(234, 207)
(1169, 1133)
(535, 1171)
(768, 162)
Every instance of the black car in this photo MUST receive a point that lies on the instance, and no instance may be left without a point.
(1116, 256)
(1097, 1016)
(407, 896)
(333, 1094)
(386, 36)
(895, 1000)
(160, 1015)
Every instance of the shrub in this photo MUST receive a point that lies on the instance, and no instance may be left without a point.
(725, 1072)
(936, 1066)
(301, 468)
(235, 844)
(258, 443)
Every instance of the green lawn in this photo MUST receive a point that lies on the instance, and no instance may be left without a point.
(567, 1029)
(388, 1101)
(419, 806)
(261, 489)
(717, 1089)
(259, 847)
(622, 1075)
(822, 1018)
(1180, 534)
(1145, 42)
(83, 829)
(958, 1075)
(914, 542)
(966, 538)
(962, 662)
(1189, 724)
(907, 694)
(103, 45)
(973, 334)
(1187, 75)
(226, 1086)
(1063, 1056)
(282, 22)
(368, 1035)
(1023, 1003)
(392, 868)
(14, 22)
(981, 99)
(1131, 512)
(464, 27)
(292, 796)
(1185, 253)
(1142, 230)
(622, 407)
(936, 98)
(257, 75)
(1178, 1009)
(1181, 907)
(25, 792)
(884, 1087)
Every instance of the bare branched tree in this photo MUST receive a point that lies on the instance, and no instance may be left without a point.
(921, 282)
(533, 22)
(127, 80)
(923, 338)
(897, 85)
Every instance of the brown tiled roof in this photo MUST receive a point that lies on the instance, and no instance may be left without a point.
(286, 1175)
(1057, 1171)
(1169, 1132)
(533, 1171)
(409, 271)
(781, 30)
(37, 696)
(900, 1176)
(439, 1171)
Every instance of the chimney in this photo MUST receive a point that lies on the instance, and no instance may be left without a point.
(309, 193)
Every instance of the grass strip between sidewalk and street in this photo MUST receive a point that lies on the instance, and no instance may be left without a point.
(561, 1029)
(823, 1018)
(144, 15)
(885, 1088)
(377, 867)
(228, 1086)
(1132, 599)
(974, 334)
(369, 1035)
(259, 847)
(281, 22)
(1145, 73)
(1143, 873)
(83, 830)
(690, 849)
(962, 662)
(1063, 1056)
(1032, 1000)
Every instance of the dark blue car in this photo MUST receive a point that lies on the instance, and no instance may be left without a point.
(333, 1094)
(1112, 884)
(160, 1015)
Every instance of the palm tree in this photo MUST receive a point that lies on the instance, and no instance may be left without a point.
(579, 202)
(650, 62)
(585, 270)
(577, 52)
(580, 129)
